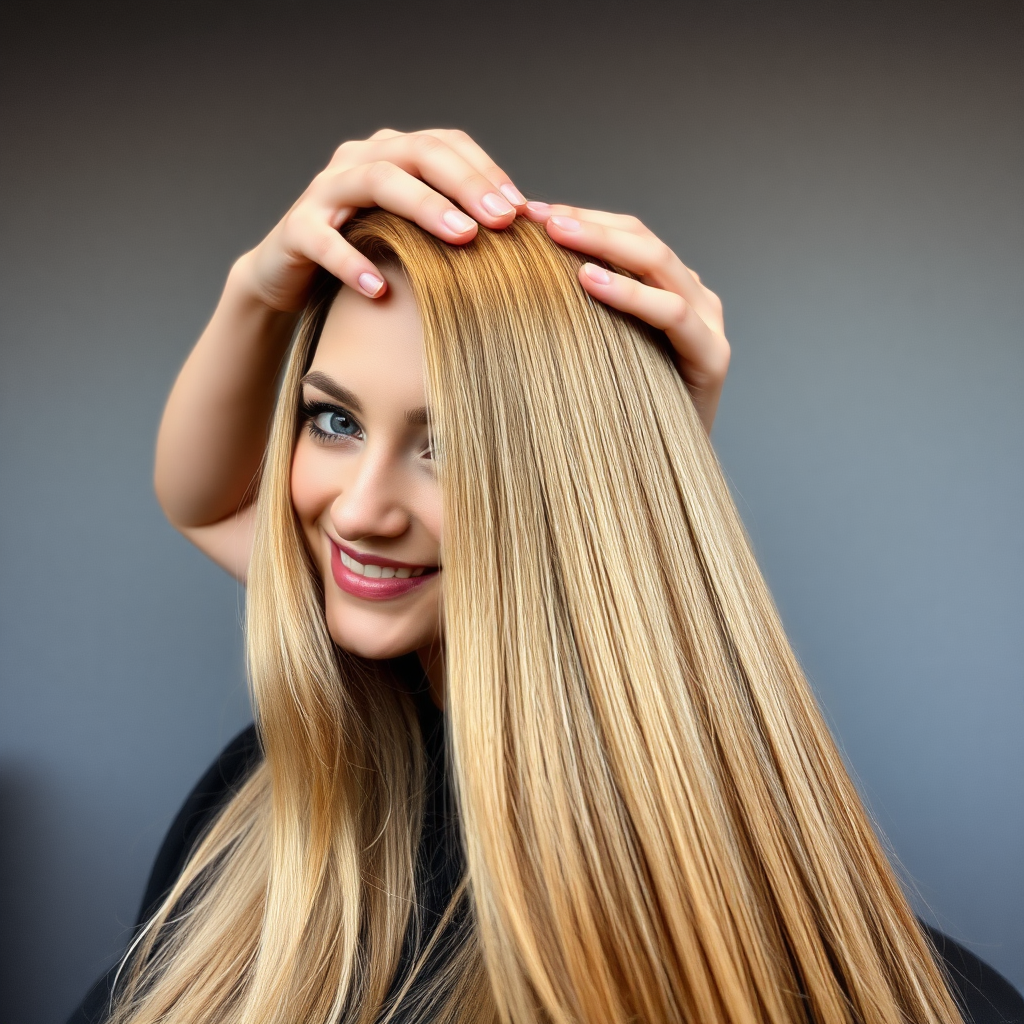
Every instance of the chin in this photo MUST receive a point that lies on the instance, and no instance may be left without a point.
(371, 648)
(377, 637)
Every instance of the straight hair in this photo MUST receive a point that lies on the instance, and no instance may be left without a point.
(656, 822)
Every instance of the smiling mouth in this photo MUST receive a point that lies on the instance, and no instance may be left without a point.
(376, 579)
(383, 572)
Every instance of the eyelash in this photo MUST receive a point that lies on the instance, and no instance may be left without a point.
(310, 411)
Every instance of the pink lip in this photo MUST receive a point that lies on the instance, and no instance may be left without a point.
(370, 589)
(365, 559)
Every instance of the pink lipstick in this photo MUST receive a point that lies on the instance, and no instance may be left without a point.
(373, 577)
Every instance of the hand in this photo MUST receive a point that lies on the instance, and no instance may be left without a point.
(416, 175)
(668, 295)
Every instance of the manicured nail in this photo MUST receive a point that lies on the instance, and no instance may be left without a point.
(512, 194)
(565, 223)
(541, 209)
(495, 205)
(458, 221)
(598, 274)
(370, 283)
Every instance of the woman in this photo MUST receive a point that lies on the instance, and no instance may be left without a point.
(654, 822)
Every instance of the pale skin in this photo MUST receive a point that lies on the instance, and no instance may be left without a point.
(362, 474)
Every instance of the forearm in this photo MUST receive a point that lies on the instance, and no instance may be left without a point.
(215, 424)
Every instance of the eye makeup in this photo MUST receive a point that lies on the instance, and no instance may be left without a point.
(330, 423)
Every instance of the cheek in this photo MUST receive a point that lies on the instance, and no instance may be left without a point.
(312, 489)
(425, 507)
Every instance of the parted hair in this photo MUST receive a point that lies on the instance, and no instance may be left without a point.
(657, 825)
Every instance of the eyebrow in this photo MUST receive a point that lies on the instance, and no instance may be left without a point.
(414, 417)
(331, 387)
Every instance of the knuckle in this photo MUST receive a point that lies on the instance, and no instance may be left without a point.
(680, 311)
(380, 172)
(471, 180)
(632, 223)
(718, 362)
(384, 133)
(662, 257)
(320, 184)
(430, 203)
(322, 246)
(427, 145)
(349, 263)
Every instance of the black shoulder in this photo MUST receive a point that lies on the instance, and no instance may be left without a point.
(210, 794)
(982, 993)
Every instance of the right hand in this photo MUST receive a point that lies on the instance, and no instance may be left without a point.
(415, 174)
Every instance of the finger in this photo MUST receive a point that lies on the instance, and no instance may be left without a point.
(430, 158)
(459, 171)
(702, 354)
(644, 255)
(392, 188)
(317, 241)
(540, 212)
(475, 155)
(469, 149)
(626, 222)
(311, 231)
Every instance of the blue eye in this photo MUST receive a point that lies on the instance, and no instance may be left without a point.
(329, 422)
(336, 423)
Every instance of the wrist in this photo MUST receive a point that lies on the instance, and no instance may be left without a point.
(243, 299)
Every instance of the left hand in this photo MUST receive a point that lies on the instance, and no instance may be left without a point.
(668, 296)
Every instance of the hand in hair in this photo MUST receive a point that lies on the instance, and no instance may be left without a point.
(214, 430)
(668, 295)
(416, 175)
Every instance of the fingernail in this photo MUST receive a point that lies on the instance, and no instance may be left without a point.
(370, 283)
(458, 221)
(495, 205)
(598, 274)
(565, 223)
(512, 194)
(539, 208)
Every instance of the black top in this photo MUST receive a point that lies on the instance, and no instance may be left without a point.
(984, 995)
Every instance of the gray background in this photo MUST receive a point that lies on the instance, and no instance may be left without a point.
(849, 180)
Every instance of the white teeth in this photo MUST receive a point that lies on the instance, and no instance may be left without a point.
(351, 564)
(378, 572)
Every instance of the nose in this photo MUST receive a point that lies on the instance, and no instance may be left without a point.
(374, 503)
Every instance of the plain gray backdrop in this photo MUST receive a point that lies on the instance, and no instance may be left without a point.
(847, 178)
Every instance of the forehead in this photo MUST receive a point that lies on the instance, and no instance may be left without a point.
(374, 344)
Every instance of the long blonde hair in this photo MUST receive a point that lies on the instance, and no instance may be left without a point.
(656, 822)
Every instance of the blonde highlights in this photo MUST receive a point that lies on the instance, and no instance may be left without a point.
(657, 824)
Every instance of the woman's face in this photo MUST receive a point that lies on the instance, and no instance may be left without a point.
(363, 481)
